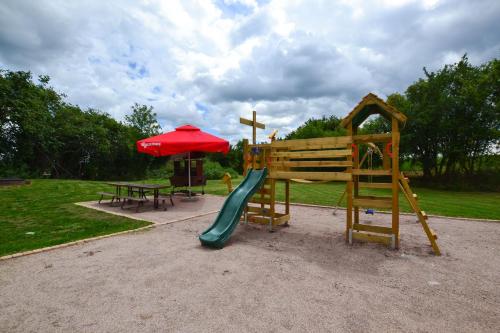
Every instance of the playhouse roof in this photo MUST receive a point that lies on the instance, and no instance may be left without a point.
(371, 104)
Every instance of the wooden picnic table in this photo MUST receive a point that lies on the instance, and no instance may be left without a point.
(141, 189)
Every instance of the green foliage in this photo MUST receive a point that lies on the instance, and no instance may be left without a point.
(213, 170)
(233, 159)
(453, 118)
(318, 128)
(41, 134)
(164, 171)
(453, 127)
(143, 119)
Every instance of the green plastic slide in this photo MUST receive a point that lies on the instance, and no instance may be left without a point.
(229, 216)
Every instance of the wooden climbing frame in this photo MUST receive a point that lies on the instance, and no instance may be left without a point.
(337, 159)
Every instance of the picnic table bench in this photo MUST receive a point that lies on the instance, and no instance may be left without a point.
(141, 190)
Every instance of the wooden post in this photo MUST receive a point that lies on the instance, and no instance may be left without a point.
(272, 203)
(287, 196)
(254, 128)
(254, 125)
(262, 156)
(246, 151)
(395, 181)
(349, 193)
(386, 162)
(356, 179)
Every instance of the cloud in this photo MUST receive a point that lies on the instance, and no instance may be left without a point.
(208, 63)
(286, 69)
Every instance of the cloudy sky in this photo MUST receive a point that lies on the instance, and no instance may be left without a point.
(208, 63)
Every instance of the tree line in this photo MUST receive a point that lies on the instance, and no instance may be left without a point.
(453, 126)
(453, 129)
(44, 136)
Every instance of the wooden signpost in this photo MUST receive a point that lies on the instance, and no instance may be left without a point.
(254, 125)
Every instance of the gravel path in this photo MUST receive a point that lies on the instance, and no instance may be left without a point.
(301, 278)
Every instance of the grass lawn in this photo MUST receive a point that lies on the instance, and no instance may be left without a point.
(46, 208)
(485, 205)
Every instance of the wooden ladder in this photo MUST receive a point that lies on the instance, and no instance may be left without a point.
(422, 217)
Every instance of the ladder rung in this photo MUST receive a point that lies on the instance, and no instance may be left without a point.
(372, 228)
(260, 200)
(424, 215)
(375, 202)
(258, 210)
(368, 237)
(415, 196)
(375, 185)
(369, 172)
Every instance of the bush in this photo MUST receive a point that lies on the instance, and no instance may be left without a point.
(213, 170)
(164, 172)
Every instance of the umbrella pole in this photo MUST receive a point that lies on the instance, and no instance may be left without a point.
(189, 173)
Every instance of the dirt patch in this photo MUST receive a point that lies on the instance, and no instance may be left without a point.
(301, 278)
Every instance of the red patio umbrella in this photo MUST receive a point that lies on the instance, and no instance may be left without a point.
(185, 139)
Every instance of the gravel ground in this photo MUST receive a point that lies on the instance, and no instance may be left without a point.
(300, 278)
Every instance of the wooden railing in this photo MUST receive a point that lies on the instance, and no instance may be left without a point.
(294, 159)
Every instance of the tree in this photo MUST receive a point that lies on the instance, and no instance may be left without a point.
(143, 119)
(41, 133)
(233, 159)
(453, 117)
(317, 128)
(26, 111)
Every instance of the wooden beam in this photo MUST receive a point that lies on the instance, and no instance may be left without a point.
(281, 219)
(307, 164)
(372, 238)
(372, 202)
(250, 123)
(375, 185)
(287, 197)
(311, 142)
(373, 228)
(349, 189)
(246, 153)
(368, 172)
(365, 138)
(260, 145)
(257, 210)
(260, 200)
(258, 219)
(314, 154)
(254, 127)
(355, 179)
(339, 176)
(395, 179)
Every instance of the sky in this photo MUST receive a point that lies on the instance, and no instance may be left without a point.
(208, 63)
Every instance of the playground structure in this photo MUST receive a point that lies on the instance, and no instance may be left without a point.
(337, 159)
(262, 206)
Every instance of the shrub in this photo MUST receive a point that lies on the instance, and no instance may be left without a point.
(213, 170)
(164, 172)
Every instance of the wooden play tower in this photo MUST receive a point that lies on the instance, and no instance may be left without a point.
(337, 159)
